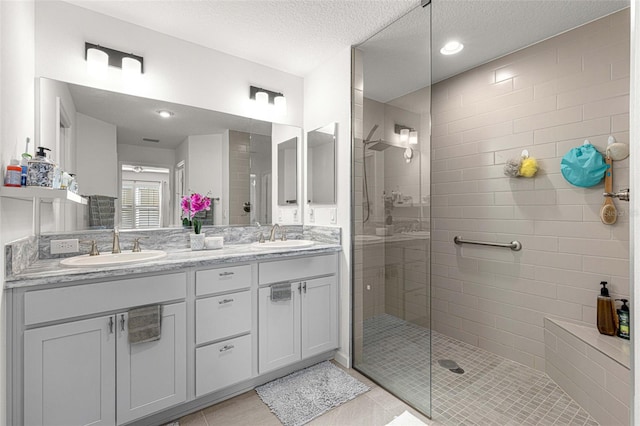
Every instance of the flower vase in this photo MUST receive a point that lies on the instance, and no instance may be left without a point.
(197, 241)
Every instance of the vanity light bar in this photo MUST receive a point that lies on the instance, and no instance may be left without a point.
(271, 94)
(115, 56)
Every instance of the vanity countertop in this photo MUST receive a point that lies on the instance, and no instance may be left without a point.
(49, 271)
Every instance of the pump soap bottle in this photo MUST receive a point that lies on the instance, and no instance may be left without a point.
(606, 312)
(623, 319)
(40, 170)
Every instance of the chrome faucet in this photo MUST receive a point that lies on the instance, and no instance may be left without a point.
(116, 241)
(94, 247)
(272, 234)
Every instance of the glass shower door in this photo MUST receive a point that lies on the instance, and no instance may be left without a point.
(391, 205)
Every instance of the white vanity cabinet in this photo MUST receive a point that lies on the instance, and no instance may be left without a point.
(307, 323)
(71, 362)
(69, 374)
(224, 317)
(83, 372)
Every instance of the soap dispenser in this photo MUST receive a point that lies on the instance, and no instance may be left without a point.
(623, 320)
(40, 170)
(606, 312)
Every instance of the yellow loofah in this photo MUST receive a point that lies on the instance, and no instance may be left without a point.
(528, 167)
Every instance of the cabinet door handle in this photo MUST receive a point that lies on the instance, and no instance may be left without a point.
(300, 288)
(122, 322)
(226, 348)
(110, 325)
(304, 286)
(225, 274)
(222, 302)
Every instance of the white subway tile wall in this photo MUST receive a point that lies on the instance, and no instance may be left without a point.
(546, 98)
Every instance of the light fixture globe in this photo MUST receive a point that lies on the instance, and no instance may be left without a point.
(97, 62)
(131, 67)
(404, 135)
(413, 137)
(262, 98)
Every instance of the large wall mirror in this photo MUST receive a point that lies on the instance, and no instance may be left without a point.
(321, 165)
(136, 157)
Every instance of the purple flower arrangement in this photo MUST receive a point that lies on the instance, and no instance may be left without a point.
(191, 205)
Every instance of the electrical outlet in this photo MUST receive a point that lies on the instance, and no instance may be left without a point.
(64, 246)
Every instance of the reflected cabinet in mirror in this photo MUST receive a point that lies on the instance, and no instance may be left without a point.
(321, 165)
(288, 172)
(135, 158)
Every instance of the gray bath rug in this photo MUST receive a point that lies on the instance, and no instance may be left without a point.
(306, 394)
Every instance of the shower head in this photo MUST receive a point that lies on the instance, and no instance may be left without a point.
(373, 130)
(378, 145)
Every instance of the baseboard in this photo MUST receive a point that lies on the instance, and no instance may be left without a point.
(343, 359)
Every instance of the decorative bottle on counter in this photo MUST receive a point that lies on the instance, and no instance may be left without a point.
(607, 320)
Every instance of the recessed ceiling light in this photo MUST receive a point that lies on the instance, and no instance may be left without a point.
(165, 114)
(452, 48)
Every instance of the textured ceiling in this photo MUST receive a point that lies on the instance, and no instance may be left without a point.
(294, 36)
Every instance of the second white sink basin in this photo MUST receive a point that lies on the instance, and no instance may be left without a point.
(111, 259)
(282, 244)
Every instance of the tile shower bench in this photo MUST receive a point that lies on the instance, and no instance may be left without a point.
(591, 368)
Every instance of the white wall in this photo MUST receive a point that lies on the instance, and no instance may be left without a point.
(175, 70)
(149, 156)
(327, 94)
(16, 124)
(96, 140)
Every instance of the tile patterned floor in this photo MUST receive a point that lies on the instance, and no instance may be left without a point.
(376, 407)
(492, 391)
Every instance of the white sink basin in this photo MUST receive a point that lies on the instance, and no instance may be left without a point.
(110, 259)
(282, 244)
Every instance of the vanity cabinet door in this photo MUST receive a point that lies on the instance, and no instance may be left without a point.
(69, 373)
(152, 375)
(278, 329)
(319, 316)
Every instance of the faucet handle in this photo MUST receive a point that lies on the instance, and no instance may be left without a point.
(261, 238)
(284, 235)
(94, 247)
(136, 244)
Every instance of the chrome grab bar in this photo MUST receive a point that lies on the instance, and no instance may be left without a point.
(513, 245)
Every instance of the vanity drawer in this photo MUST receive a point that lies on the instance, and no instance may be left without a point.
(67, 302)
(223, 316)
(222, 364)
(293, 269)
(223, 279)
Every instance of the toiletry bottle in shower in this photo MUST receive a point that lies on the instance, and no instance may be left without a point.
(606, 312)
(623, 320)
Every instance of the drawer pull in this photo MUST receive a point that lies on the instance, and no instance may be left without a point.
(222, 302)
(226, 348)
(225, 274)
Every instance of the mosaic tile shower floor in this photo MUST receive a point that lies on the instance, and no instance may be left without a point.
(492, 391)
